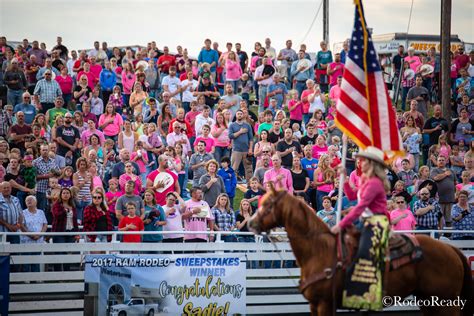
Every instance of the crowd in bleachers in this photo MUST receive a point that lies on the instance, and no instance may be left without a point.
(141, 139)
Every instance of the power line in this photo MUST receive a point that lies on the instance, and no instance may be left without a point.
(409, 17)
(312, 22)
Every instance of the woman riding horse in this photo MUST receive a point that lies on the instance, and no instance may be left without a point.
(364, 277)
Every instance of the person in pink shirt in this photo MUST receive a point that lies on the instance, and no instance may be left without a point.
(233, 70)
(402, 217)
(305, 99)
(65, 83)
(279, 176)
(335, 69)
(210, 144)
(129, 175)
(87, 133)
(112, 196)
(190, 117)
(295, 107)
(197, 217)
(128, 80)
(220, 134)
(320, 148)
(95, 67)
(92, 80)
(335, 92)
(412, 60)
(110, 122)
(371, 209)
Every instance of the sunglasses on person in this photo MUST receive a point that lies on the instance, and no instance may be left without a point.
(424, 194)
(401, 202)
(97, 197)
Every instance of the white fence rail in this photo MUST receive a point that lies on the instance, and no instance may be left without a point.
(270, 290)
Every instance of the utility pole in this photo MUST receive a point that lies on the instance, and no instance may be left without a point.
(445, 59)
(326, 21)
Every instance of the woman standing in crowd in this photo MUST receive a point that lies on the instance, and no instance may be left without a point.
(94, 144)
(463, 216)
(64, 217)
(82, 180)
(233, 71)
(137, 97)
(97, 218)
(127, 138)
(40, 120)
(224, 217)
(243, 215)
(211, 183)
(34, 221)
(129, 175)
(16, 176)
(323, 180)
(111, 123)
(155, 217)
(220, 133)
(164, 120)
(66, 84)
(300, 179)
(174, 217)
(116, 99)
(82, 92)
(78, 121)
(128, 79)
(462, 128)
(263, 147)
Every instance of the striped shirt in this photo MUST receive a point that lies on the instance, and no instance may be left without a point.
(429, 219)
(47, 90)
(10, 211)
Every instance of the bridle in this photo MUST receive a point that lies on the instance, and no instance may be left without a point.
(269, 210)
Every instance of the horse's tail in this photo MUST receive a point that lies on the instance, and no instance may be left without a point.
(467, 291)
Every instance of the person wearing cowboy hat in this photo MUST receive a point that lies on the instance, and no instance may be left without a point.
(361, 289)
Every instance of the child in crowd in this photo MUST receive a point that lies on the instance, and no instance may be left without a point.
(331, 110)
(65, 180)
(116, 99)
(96, 180)
(423, 174)
(254, 193)
(327, 214)
(140, 157)
(29, 172)
(399, 187)
(97, 105)
(52, 194)
(112, 196)
(407, 175)
(230, 180)
(246, 87)
(456, 162)
(443, 146)
(131, 222)
(296, 131)
(295, 107)
(400, 120)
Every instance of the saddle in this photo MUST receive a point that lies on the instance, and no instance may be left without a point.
(403, 248)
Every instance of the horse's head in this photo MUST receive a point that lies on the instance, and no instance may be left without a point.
(269, 214)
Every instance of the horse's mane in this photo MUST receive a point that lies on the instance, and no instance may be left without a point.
(301, 215)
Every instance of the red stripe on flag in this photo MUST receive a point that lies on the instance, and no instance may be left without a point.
(353, 129)
(374, 112)
(394, 136)
(356, 108)
(359, 86)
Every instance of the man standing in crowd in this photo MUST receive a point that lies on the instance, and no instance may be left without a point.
(63, 51)
(288, 148)
(46, 91)
(446, 181)
(119, 167)
(16, 82)
(129, 197)
(427, 211)
(11, 217)
(277, 90)
(287, 56)
(232, 100)
(20, 131)
(168, 182)
(198, 162)
(280, 177)
(56, 111)
(68, 138)
(434, 127)
(197, 217)
(260, 172)
(264, 81)
(335, 70)
(301, 73)
(242, 57)
(210, 56)
(45, 166)
(240, 132)
(27, 108)
(420, 94)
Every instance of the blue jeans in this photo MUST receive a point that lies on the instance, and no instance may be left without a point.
(300, 86)
(404, 97)
(42, 201)
(80, 206)
(235, 85)
(262, 94)
(21, 195)
(14, 96)
(186, 106)
(221, 152)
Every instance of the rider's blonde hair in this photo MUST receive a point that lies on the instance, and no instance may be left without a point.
(378, 170)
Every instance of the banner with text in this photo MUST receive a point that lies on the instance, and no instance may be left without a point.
(152, 284)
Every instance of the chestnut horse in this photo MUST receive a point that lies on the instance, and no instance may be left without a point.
(443, 272)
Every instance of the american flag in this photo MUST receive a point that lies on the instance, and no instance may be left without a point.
(364, 110)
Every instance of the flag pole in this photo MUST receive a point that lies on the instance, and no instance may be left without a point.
(341, 179)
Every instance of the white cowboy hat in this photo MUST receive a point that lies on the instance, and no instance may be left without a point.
(372, 153)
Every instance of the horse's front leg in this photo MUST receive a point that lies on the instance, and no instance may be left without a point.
(314, 308)
(325, 308)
